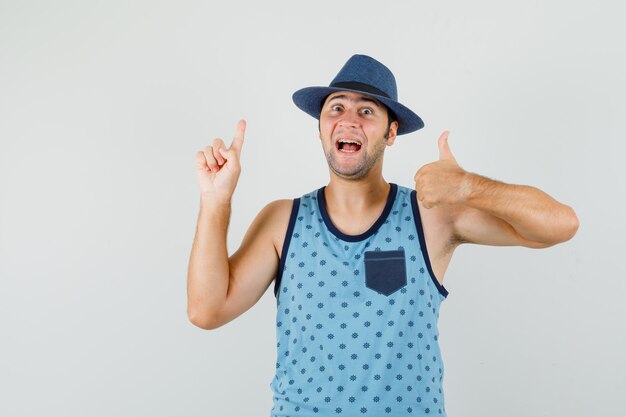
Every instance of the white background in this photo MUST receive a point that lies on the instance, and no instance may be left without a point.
(103, 105)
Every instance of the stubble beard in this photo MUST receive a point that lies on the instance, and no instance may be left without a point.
(360, 170)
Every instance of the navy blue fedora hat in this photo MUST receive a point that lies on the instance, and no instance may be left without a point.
(361, 74)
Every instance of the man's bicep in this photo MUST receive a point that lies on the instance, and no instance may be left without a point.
(255, 264)
(476, 226)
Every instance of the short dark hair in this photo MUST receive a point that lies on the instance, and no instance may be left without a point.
(391, 117)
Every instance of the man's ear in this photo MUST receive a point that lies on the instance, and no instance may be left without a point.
(393, 133)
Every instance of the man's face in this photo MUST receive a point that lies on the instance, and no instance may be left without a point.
(352, 131)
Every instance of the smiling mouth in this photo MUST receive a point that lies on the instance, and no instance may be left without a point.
(348, 146)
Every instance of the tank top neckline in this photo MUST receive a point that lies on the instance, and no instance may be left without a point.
(321, 201)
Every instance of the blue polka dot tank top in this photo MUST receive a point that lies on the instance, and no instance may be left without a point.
(356, 320)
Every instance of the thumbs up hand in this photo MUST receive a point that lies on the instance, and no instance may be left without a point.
(441, 182)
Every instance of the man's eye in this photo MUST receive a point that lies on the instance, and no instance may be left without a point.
(367, 111)
(336, 107)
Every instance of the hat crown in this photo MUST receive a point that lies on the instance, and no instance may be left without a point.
(362, 71)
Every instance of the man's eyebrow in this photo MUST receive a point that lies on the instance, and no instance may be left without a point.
(366, 99)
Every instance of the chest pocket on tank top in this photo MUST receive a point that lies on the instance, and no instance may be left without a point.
(385, 271)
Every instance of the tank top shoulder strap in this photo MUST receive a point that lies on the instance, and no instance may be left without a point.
(292, 222)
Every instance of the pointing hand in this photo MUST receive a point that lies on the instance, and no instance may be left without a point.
(218, 168)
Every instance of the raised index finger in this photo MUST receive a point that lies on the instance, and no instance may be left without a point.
(239, 134)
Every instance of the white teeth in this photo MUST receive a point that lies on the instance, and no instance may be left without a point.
(349, 141)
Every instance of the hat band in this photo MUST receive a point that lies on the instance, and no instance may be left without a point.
(355, 85)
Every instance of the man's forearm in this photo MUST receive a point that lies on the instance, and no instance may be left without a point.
(208, 275)
(535, 215)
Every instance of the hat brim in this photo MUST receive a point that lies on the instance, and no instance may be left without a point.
(311, 99)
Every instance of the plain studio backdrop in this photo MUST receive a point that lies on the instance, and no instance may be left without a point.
(103, 105)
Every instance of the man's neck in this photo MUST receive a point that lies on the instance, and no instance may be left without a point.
(355, 196)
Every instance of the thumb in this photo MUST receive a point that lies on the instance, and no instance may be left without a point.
(228, 154)
(444, 148)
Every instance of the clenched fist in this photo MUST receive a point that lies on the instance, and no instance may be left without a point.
(218, 168)
(441, 182)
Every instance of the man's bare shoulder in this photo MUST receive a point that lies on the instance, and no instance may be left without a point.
(264, 238)
(277, 211)
(278, 206)
(276, 215)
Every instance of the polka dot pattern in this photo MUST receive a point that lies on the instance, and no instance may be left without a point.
(356, 320)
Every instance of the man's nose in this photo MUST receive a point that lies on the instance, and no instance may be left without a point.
(349, 120)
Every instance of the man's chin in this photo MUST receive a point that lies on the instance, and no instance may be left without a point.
(354, 171)
(349, 174)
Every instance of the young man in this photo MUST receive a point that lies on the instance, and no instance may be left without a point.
(359, 263)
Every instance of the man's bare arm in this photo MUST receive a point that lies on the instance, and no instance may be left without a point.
(211, 275)
(507, 214)
(254, 265)
(222, 288)
(217, 172)
(208, 272)
(490, 212)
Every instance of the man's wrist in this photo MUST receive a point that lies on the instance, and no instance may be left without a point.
(471, 187)
(212, 200)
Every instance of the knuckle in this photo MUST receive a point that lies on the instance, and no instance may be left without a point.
(429, 199)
